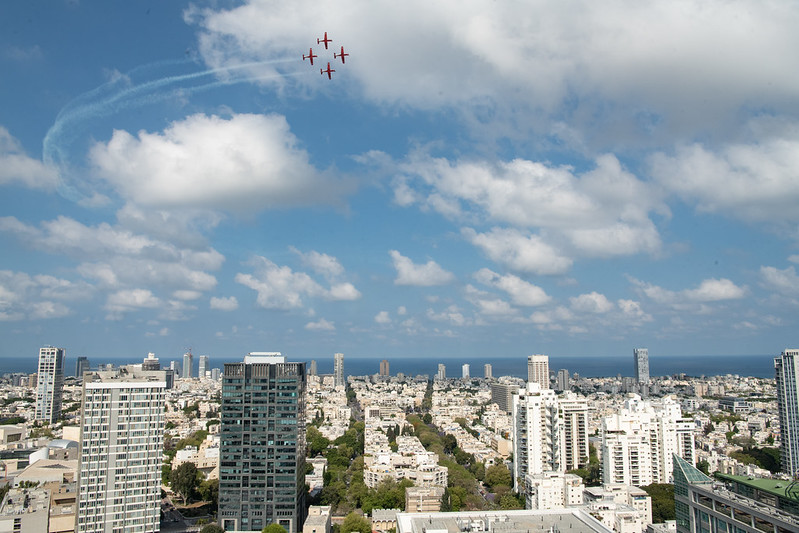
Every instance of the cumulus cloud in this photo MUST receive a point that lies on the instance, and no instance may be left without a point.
(784, 281)
(279, 287)
(224, 304)
(425, 275)
(131, 300)
(16, 167)
(383, 317)
(592, 302)
(320, 325)
(519, 251)
(750, 181)
(532, 63)
(708, 291)
(320, 263)
(244, 163)
(521, 292)
(23, 296)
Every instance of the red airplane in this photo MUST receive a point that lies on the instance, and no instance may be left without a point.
(311, 55)
(342, 55)
(329, 71)
(325, 40)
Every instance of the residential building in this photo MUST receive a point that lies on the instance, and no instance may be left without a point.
(81, 366)
(502, 392)
(262, 458)
(562, 382)
(543, 520)
(442, 371)
(122, 442)
(188, 359)
(384, 368)
(573, 431)
(423, 499)
(338, 370)
(50, 384)
(203, 367)
(538, 370)
(786, 373)
(312, 371)
(553, 490)
(151, 362)
(318, 520)
(488, 372)
(465, 371)
(641, 362)
(534, 428)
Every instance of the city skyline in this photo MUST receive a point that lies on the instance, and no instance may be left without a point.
(520, 180)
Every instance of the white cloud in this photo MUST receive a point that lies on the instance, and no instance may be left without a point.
(245, 163)
(16, 167)
(451, 315)
(23, 296)
(592, 302)
(224, 304)
(785, 281)
(320, 263)
(519, 252)
(708, 291)
(279, 287)
(131, 300)
(749, 181)
(187, 295)
(320, 325)
(383, 317)
(425, 275)
(401, 310)
(521, 292)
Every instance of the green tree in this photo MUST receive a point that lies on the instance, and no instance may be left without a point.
(498, 475)
(184, 480)
(274, 528)
(662, 495)
(212, 528)
(355, 522)
(209, 491)
(427, 418)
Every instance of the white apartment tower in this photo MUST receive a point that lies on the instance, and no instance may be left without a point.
(488, 371)
(50, 384)
(122, 434)
(338, 370)
(639, 440)
(573, 430)
(786, 372)
(188, 359)
(442, 371)
(641, 361)
(465, 370)
(534, 428)
(538, 370)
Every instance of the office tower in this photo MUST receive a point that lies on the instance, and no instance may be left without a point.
(488, 371)
(50, 384)
(502, 394)
(787, 378)
(188, 359)
(151, 363)
(203, 367)
(535, 433)
(262, 462)
(122, 442)
(538, 370)
(639, 440)
(215, 373)
(641, 360)
(384, 368)
(81, 366)
(338, 370)
(562, 381)
(465, 370)
(174, 366)
(573, 431)
(312, 369)
(442, 371)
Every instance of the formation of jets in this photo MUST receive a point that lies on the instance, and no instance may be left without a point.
(336, 55)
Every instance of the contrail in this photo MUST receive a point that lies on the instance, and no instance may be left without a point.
(116, 95)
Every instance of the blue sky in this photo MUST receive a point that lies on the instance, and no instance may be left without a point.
(479, 178)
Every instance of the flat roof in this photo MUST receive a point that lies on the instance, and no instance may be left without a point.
(777, 487)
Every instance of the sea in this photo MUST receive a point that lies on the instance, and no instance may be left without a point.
(761, 366)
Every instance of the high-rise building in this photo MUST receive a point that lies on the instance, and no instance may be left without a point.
(442, 371)
(262, 462)
(174, 366)
(562, 381)
(338, 370)
(81, 366)
(215, 373)
(488, 371)
(502, 393)
(534, 429)
(786, 372)
(639, 440)
(50, 384)
(538, 370)
(641, 361)
(573, 430)
(151, 362)
(384, 368)
(465, 370)
(203, 367)
(312, 369)
(122, 434)
(188, 360)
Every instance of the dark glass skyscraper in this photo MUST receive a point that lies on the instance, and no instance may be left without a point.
(262, 462)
